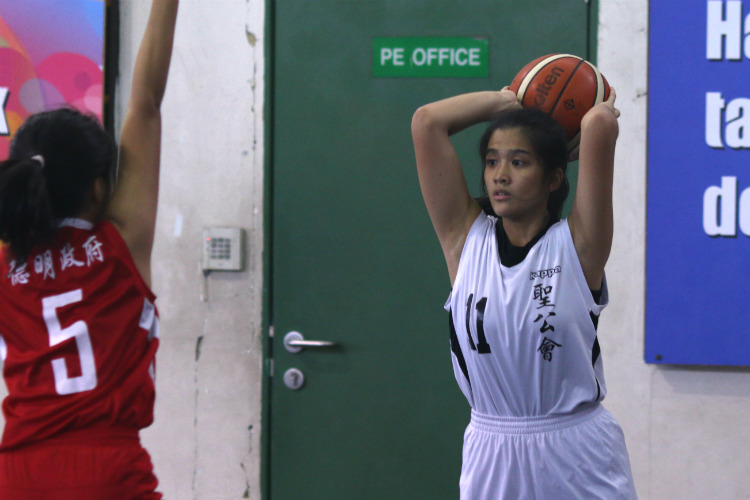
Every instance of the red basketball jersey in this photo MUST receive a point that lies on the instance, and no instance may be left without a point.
(78, 336)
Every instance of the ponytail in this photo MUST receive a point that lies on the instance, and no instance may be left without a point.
(55, 157)
(26, 217)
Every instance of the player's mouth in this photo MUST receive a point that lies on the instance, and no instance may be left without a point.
(500, 195)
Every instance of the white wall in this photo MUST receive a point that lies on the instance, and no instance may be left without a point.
(205, 442)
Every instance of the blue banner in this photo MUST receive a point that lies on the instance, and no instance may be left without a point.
(698, 226)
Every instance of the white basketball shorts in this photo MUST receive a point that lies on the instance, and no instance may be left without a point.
(574, 457)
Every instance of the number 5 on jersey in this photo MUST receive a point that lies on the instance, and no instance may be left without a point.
(64, 384)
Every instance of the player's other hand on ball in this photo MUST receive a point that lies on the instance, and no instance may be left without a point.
(605, 108)
(610, 102)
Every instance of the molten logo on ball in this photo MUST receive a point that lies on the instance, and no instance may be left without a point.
(543, 87)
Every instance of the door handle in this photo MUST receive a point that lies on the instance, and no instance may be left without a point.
(294, 342)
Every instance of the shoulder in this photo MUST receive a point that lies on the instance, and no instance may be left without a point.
(554, 237)
(479, 247)
(558, 241)
(107, 229)
(482, 228)
(559, 232)
(483, 222)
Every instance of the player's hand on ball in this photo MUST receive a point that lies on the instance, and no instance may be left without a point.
(610, 103)
(510, 98)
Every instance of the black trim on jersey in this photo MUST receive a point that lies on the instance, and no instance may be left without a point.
(511, 255)
(594, 320)
(456, 348)
(595, 352)
(597, 295)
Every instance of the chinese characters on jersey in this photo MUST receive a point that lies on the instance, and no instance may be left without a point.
(542, 297)
(48, 263)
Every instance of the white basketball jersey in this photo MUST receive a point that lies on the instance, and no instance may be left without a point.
(523, 338)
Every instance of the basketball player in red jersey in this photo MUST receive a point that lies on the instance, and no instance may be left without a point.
(78, 325)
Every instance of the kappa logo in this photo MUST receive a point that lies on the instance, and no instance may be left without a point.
(544, 273)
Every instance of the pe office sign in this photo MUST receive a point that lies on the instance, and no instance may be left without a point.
(51, 55)
(698, 228)
(431, 57)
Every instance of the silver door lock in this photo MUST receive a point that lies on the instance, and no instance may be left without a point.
(294, 379)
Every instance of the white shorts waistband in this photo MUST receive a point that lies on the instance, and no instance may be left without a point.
(531, 425)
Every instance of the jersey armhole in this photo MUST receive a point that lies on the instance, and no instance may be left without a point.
(482, 218)
(123, 251)
(594, 305)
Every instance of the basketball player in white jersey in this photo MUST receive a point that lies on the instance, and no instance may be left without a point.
(527, 291)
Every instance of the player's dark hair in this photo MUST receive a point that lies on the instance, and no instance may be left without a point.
(547, 138)
(55, 157)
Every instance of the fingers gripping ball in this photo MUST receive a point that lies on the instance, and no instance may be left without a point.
(564, 86)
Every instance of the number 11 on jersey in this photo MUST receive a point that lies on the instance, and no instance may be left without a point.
(482, 347)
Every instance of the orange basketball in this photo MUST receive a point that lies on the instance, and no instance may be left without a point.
(564, 86)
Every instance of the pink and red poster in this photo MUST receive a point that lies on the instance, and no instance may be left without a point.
(51, 55)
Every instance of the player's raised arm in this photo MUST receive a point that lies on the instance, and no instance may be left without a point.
(451, 207)
(132, 207)
(591, 219)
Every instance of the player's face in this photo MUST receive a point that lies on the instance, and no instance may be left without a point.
(515, 179)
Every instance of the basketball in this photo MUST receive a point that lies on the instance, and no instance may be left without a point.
(564, 86)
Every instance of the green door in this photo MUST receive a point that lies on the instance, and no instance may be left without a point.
(354, 259)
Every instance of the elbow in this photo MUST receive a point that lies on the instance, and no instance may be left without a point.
(426, 122)
(419, 120)
(149, 107)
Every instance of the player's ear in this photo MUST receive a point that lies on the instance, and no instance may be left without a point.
(100, 192)
(556, 179)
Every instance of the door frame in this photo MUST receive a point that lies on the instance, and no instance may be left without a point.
(267, 303)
